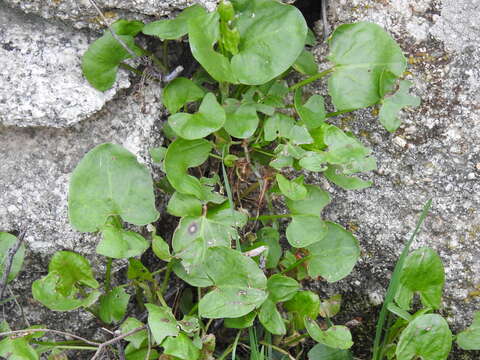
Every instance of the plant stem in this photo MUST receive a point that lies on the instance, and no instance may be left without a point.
(29, 331)
(131, 68)
(215, 156)
(108, 275)
(156, 60)
(270, 217)
(166, 278)
(156, 272)
(310, 79)
(280, 350)
(295, 264)
(298, 338)
(263, 152)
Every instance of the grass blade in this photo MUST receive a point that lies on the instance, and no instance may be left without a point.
(395, 282)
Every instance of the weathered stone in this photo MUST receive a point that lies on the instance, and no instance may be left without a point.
(40, 75)
(82, 14)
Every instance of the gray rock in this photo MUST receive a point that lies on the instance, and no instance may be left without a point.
(40, 75)
(82, 14)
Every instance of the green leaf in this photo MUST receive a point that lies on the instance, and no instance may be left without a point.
(240, 286)
(423, 273)
(17, 349)
(333, 257)
(469, 339)
(181, 347)
(345, 182)
(337, 337)
(113, 305)
(304, 303)
(179, 92)
(101, 61)
(209, 118)
(299, 135)
(405, 315)
(182, 155)
(313, 161)
(137, 339)
(305, 63)
(196, 275)
(160, 248)
(294, 190)
(242, 119)
(323, 352)
(161, 321)
(118, 243)
(312, 113)
(278, 125)
(427, 336)
(158, 154)
(392, 105)
(271, 319)
(136, 270)
(271, 238)
(342, 148)
(189, 324)
(132, 353)
(272, 36)
(281, 288)
(184, 205)
(241, 322)
(361, 53)
(109, 181)
(74, 270)
(306, 226)
(173, 29)
(45, 291)
(7, 241)
(194, 235)
(330, 307)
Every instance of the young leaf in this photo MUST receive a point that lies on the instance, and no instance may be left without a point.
(113, 305)
(194, 235)
(172, 29)
(181, 155)
(305, 63)
(335, 255)
(160, 248)
(312, 204)
(312, 112)
(323, 352)
(294, 190)
(271, 238)
(209, 118)
(184, 205)
(423, 273)
(136, 270)
(74, 270)
(45, 291)
(138, 338)
(109, 181)
(304, 303)
(469, 339)
(313, 161)
(241, 322)
(118, 243)
(242, 119)
(161, 321)
(7, 241)
(281, 288)
(362, 53)
(427, 336)
(236, 293)
(179, 92)
(189, 324)
(345, 182)
(337, 337)
(101, 61)
(181, 347)
(278, 125)
(271, 319)
(392, 105)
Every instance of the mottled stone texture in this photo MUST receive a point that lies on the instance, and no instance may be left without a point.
(51, 117)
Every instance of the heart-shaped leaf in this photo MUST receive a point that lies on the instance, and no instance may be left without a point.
(392, 105)
(209, 118)
(427, 336)
(323, 352)
(179, 92)
(294, 190)
(138, 338)
(101, 61)
(242, 119)
(422, 272)
(312, 112)
(281, 288)
(334, 256)
(469, 339)
(271, 319)
(181, 347)
(113, 305)
(109, 181)
(337, 337)
(305, 63)
(118, 243)
(236, 292)
(362, 54)
(181, 155)
(161, 321)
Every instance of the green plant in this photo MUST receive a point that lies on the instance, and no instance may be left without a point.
(238, 137)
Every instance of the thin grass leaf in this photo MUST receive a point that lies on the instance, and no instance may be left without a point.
(229, 195)
(395, 282)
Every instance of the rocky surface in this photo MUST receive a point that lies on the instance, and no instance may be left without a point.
(51, 117)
